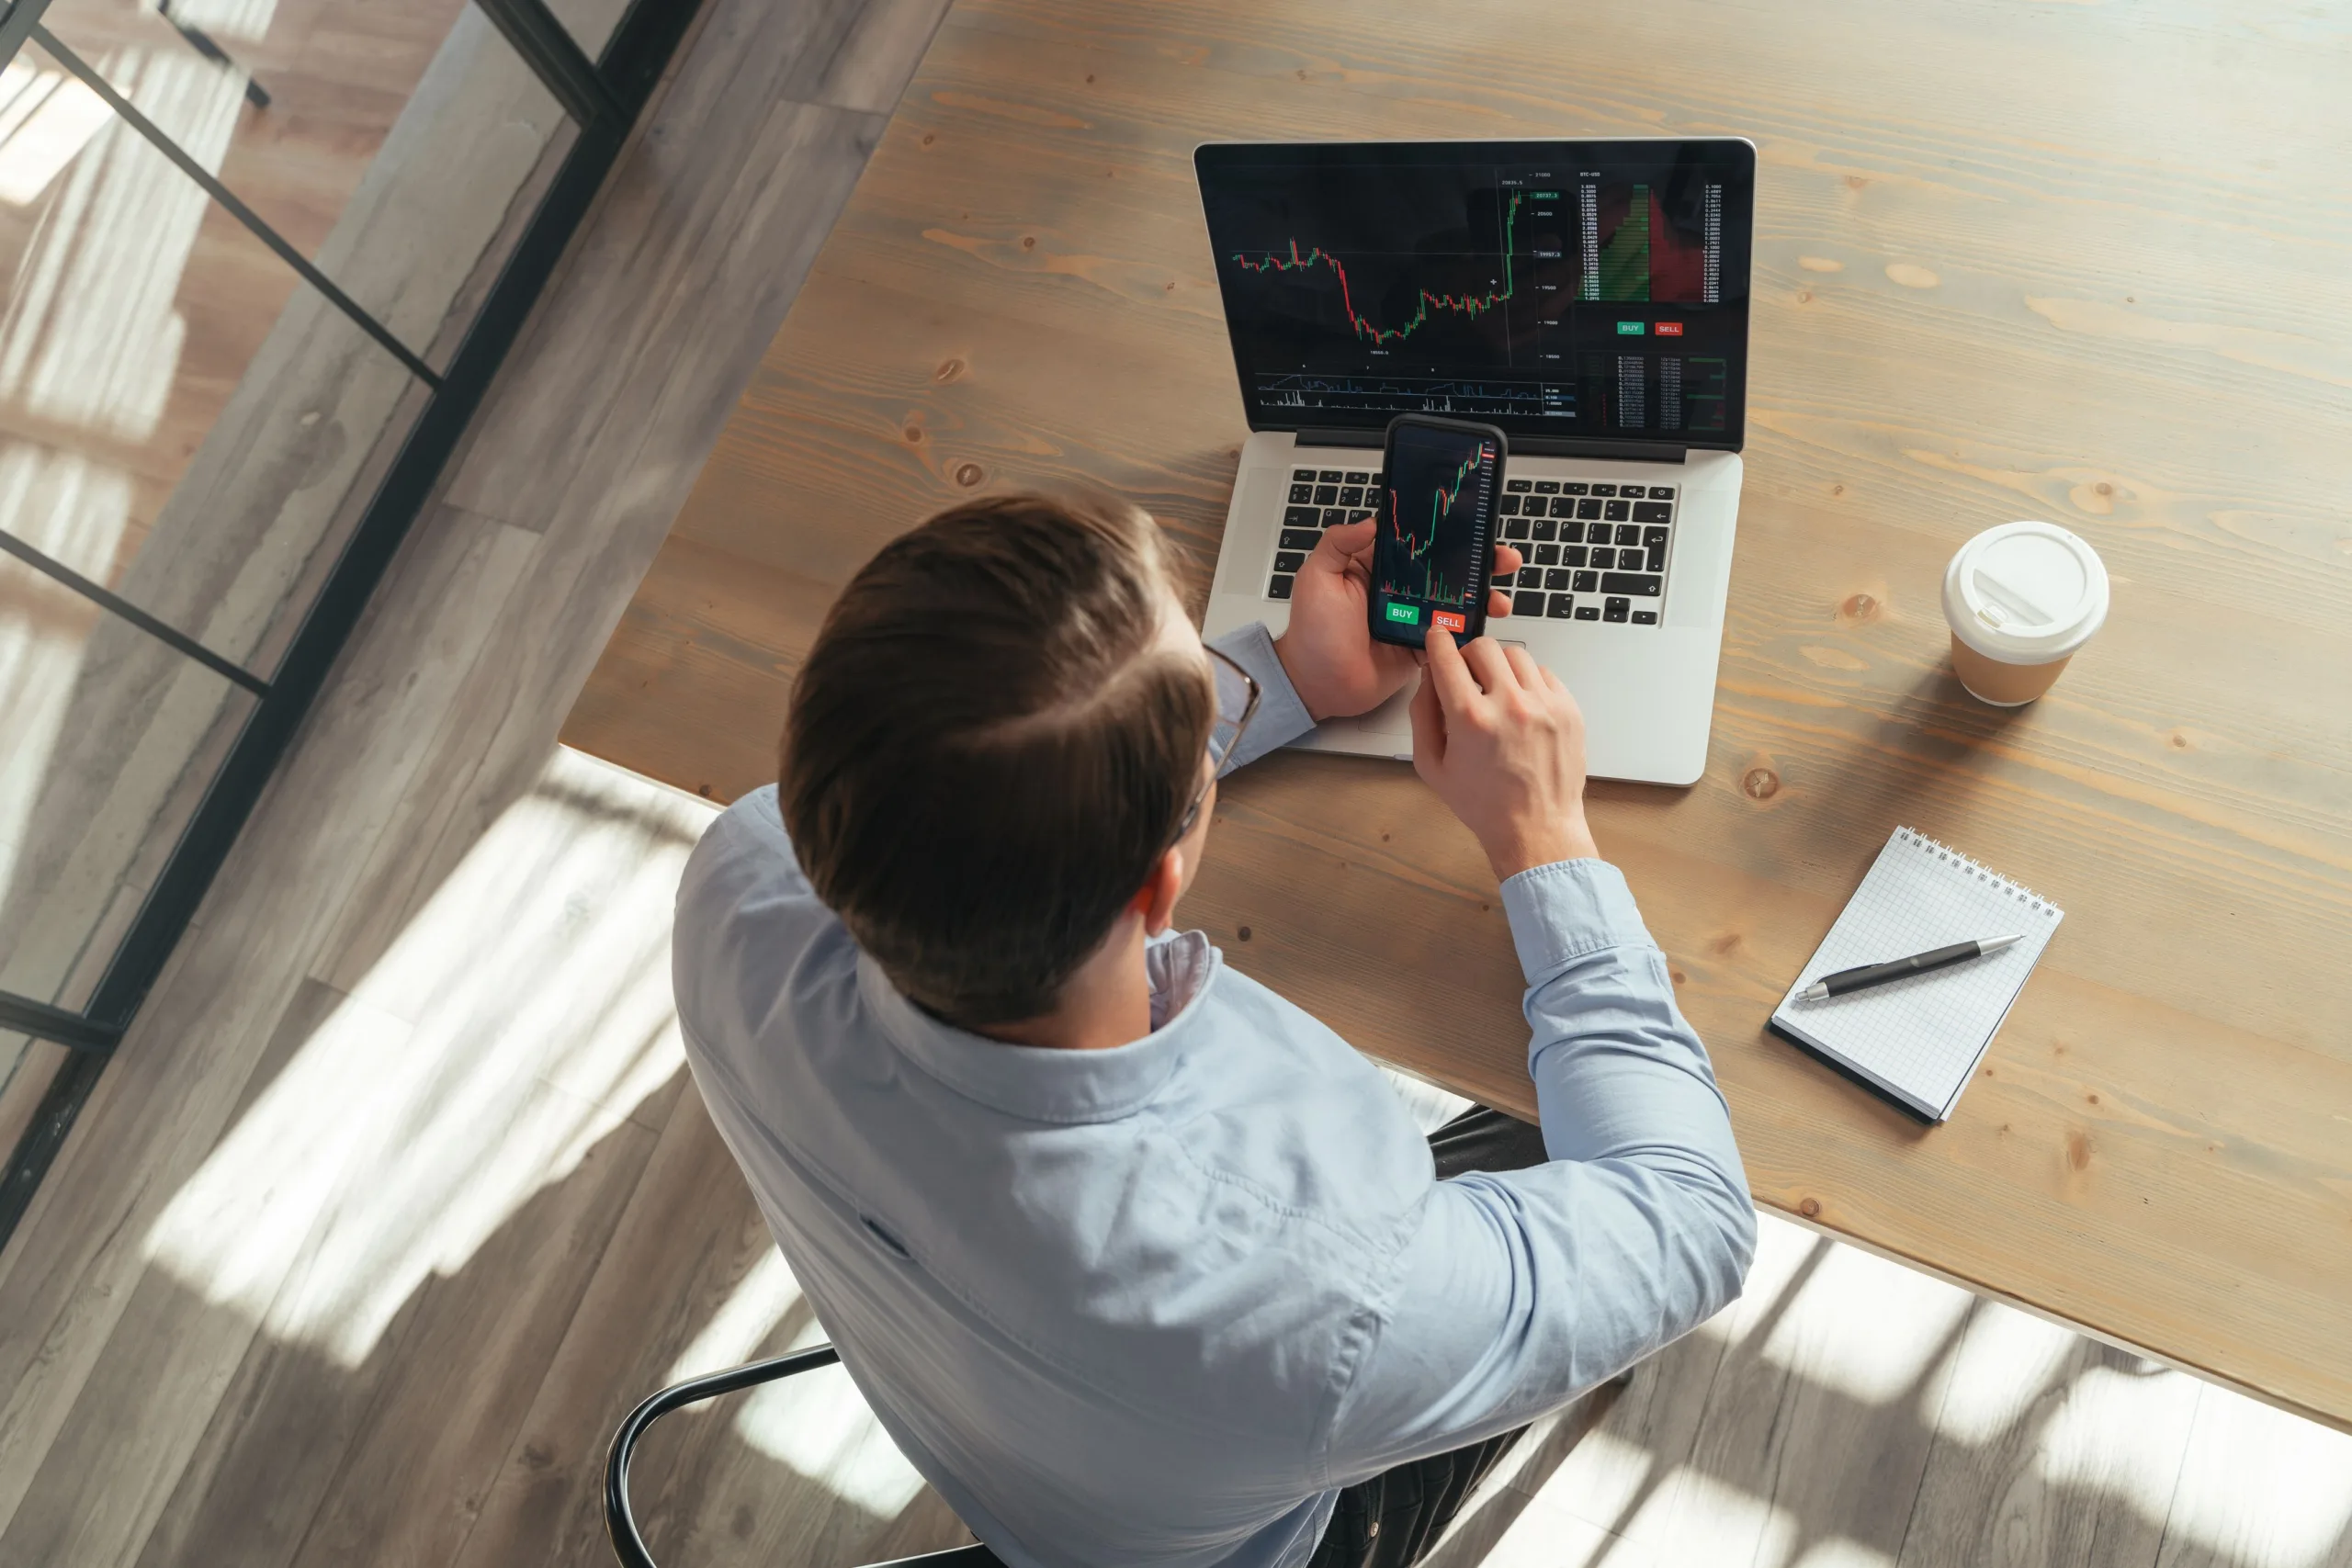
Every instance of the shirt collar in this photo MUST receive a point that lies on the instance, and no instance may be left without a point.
(1042, 1084)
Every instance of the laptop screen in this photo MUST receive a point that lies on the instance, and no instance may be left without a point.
(1578, 290)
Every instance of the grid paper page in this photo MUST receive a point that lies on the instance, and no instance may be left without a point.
(1921, 1037)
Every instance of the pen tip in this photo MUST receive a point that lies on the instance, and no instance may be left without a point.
(1814, 992)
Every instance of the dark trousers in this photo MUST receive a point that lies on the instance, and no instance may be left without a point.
(1391, 1520)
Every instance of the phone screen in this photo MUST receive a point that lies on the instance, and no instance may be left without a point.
(1434, 546)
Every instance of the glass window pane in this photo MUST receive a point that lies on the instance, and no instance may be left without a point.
(387, 142)
(27, 1066)
(182, 419)
(107, 738)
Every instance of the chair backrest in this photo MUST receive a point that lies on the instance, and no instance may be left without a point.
(621, 1524)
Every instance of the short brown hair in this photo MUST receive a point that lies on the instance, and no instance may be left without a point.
(986, 753)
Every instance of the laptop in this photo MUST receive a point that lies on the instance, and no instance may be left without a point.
(1589, 298)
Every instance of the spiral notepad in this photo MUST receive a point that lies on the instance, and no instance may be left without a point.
(1918, 1040)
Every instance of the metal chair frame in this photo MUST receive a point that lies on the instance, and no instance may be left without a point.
(621, 1524)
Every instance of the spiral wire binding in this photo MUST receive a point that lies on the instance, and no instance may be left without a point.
(2040, 905)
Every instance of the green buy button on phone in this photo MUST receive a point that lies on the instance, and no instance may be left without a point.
(1408, 614)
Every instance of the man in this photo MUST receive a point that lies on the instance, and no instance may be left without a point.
(1139, 1264)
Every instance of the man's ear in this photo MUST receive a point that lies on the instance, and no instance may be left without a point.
(1156, 900)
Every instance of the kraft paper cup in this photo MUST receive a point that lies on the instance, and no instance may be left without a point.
(2021, 600)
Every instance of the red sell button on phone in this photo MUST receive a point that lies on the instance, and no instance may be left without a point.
(1447, 621)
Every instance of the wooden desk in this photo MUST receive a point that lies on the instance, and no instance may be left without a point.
(2086, 264)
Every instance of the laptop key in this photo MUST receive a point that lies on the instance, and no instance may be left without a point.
(1508, 506)
(1578, 488)
(1557, 578)
(1618, 511)
(1661, 492)
(1628, 534)
(1525, 603)
(1546, 529)
(1300, 538)
(1330, 476)
(1615, 610)
(1351, 496)
(1655, 539)
(1653, 512)
(1300, 495)
(1516, 529)
(1279, 588)
(1334, 516)
(1656, 559)
(1646, 617)
(1288, 561)
(1604, 490)
(1327, 495)
(1519, 487)
(1548, 487)
(1500, 579)
(1587, 612)
(1547, 555)
(1561, 608)
(1564, 506)
(1590, 509)
(1573, 555)
(1637, 583)
(1588, 583)
(1358, 478)
(1305, 474)
(1301, 517)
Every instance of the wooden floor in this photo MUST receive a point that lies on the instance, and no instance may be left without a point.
(398, 1197)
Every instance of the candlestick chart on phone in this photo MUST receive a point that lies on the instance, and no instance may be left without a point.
(1424, 559)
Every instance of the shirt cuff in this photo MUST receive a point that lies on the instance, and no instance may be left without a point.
(1567, 910)
(1281, 717)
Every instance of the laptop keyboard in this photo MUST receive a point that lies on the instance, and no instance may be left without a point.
(1594, 552)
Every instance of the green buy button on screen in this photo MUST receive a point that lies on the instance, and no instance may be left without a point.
(1408, 614)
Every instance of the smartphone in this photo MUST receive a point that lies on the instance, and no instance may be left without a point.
(1442, 483)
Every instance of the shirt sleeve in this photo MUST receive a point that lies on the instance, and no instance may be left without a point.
(1281, 717)
(1519, 1289)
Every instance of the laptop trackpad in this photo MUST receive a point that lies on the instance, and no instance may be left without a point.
(1393, 717)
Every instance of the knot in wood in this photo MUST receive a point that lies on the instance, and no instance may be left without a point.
(1761, 784)
(1810, 1208)
(948, 370)
(968, 473)
(1859, 607)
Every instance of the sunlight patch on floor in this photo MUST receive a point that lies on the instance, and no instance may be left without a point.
(513, 1023)
(816, 1423)
(2005, 1362)
(2259, 1485)
(1887, 1323)
(1704, 1520)
(46, 118)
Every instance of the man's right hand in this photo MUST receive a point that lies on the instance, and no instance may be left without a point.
(1501, 741)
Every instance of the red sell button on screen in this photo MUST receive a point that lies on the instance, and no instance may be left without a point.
(1447, 621)
(1668, 329)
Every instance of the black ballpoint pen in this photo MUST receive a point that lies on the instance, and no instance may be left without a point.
(1846, 980)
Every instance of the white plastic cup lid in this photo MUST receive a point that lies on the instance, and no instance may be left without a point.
(2025, 592)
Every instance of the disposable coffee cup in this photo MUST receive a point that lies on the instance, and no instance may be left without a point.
(2021, 600)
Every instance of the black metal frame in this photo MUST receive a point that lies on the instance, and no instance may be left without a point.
(605, 97)
(629, 1545)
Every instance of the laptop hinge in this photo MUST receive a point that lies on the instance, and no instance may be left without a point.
(1623, 451)
(1525, 446)
(1342, 437)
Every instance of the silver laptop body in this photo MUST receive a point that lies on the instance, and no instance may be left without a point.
(1592, 303)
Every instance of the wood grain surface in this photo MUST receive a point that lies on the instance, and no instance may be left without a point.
(2083, 262)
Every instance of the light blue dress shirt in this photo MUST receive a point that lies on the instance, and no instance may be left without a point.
(1149, 1307)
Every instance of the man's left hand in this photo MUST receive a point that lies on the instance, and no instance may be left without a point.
(1329, 652)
